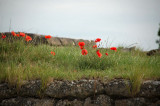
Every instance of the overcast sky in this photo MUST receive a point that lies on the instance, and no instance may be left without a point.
(120, 22)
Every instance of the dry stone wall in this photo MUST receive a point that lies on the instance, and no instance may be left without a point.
(54, 41)
(116, 92)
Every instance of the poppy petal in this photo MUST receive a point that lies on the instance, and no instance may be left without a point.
(13, 33)
(98, 40)
(106, 54)
(22, 34)
(99, 54)
(53, 53)
(81, 43)
(28, 38)
(84, 52)
(113, 48)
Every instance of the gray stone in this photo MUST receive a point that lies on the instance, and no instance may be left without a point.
(7, 91)
(67, 42)
(101, 100)
(150, 89)
(156, 104)
(37, 39)
(136, 102)
(27, 102)
(78, 89)
(87, 42)
(81, 92)
(118, 87)
(54, 41)
(30, 89)
(69, 103)
(154, 52)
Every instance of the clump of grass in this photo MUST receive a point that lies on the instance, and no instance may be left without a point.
(136, 77)
(92, 61)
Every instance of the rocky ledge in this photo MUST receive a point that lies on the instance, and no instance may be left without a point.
(54, 41)
(117, 92)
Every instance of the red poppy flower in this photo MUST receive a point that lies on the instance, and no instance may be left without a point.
(3, 36)
(82, 47)
(13, 33)
(106, 54)
(53, 53)
(84, 52)
(48, 36)
(113, 48)
(95, 46)
(81, 43)
(28, 38)
(99, 54)
(98, 40)
(22, 34)
(18, 35)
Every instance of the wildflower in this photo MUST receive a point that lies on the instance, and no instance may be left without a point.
(48, 36)
(3, 36)
(98, 40)
(28, 38)
(113, 48)
(22, 34)
(99, 54)
(18, 35)
(81, 45)
(95, 46)
(13, 33)
(53, 53)
(106, 54)
(84, 52)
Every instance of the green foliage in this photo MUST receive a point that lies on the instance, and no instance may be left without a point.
(92, 61)
(21, 61)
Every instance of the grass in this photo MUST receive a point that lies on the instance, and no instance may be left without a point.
(23, 61)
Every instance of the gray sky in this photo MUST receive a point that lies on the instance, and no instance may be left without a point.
(120, 22)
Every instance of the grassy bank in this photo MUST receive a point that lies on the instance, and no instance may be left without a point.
(22, 61)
